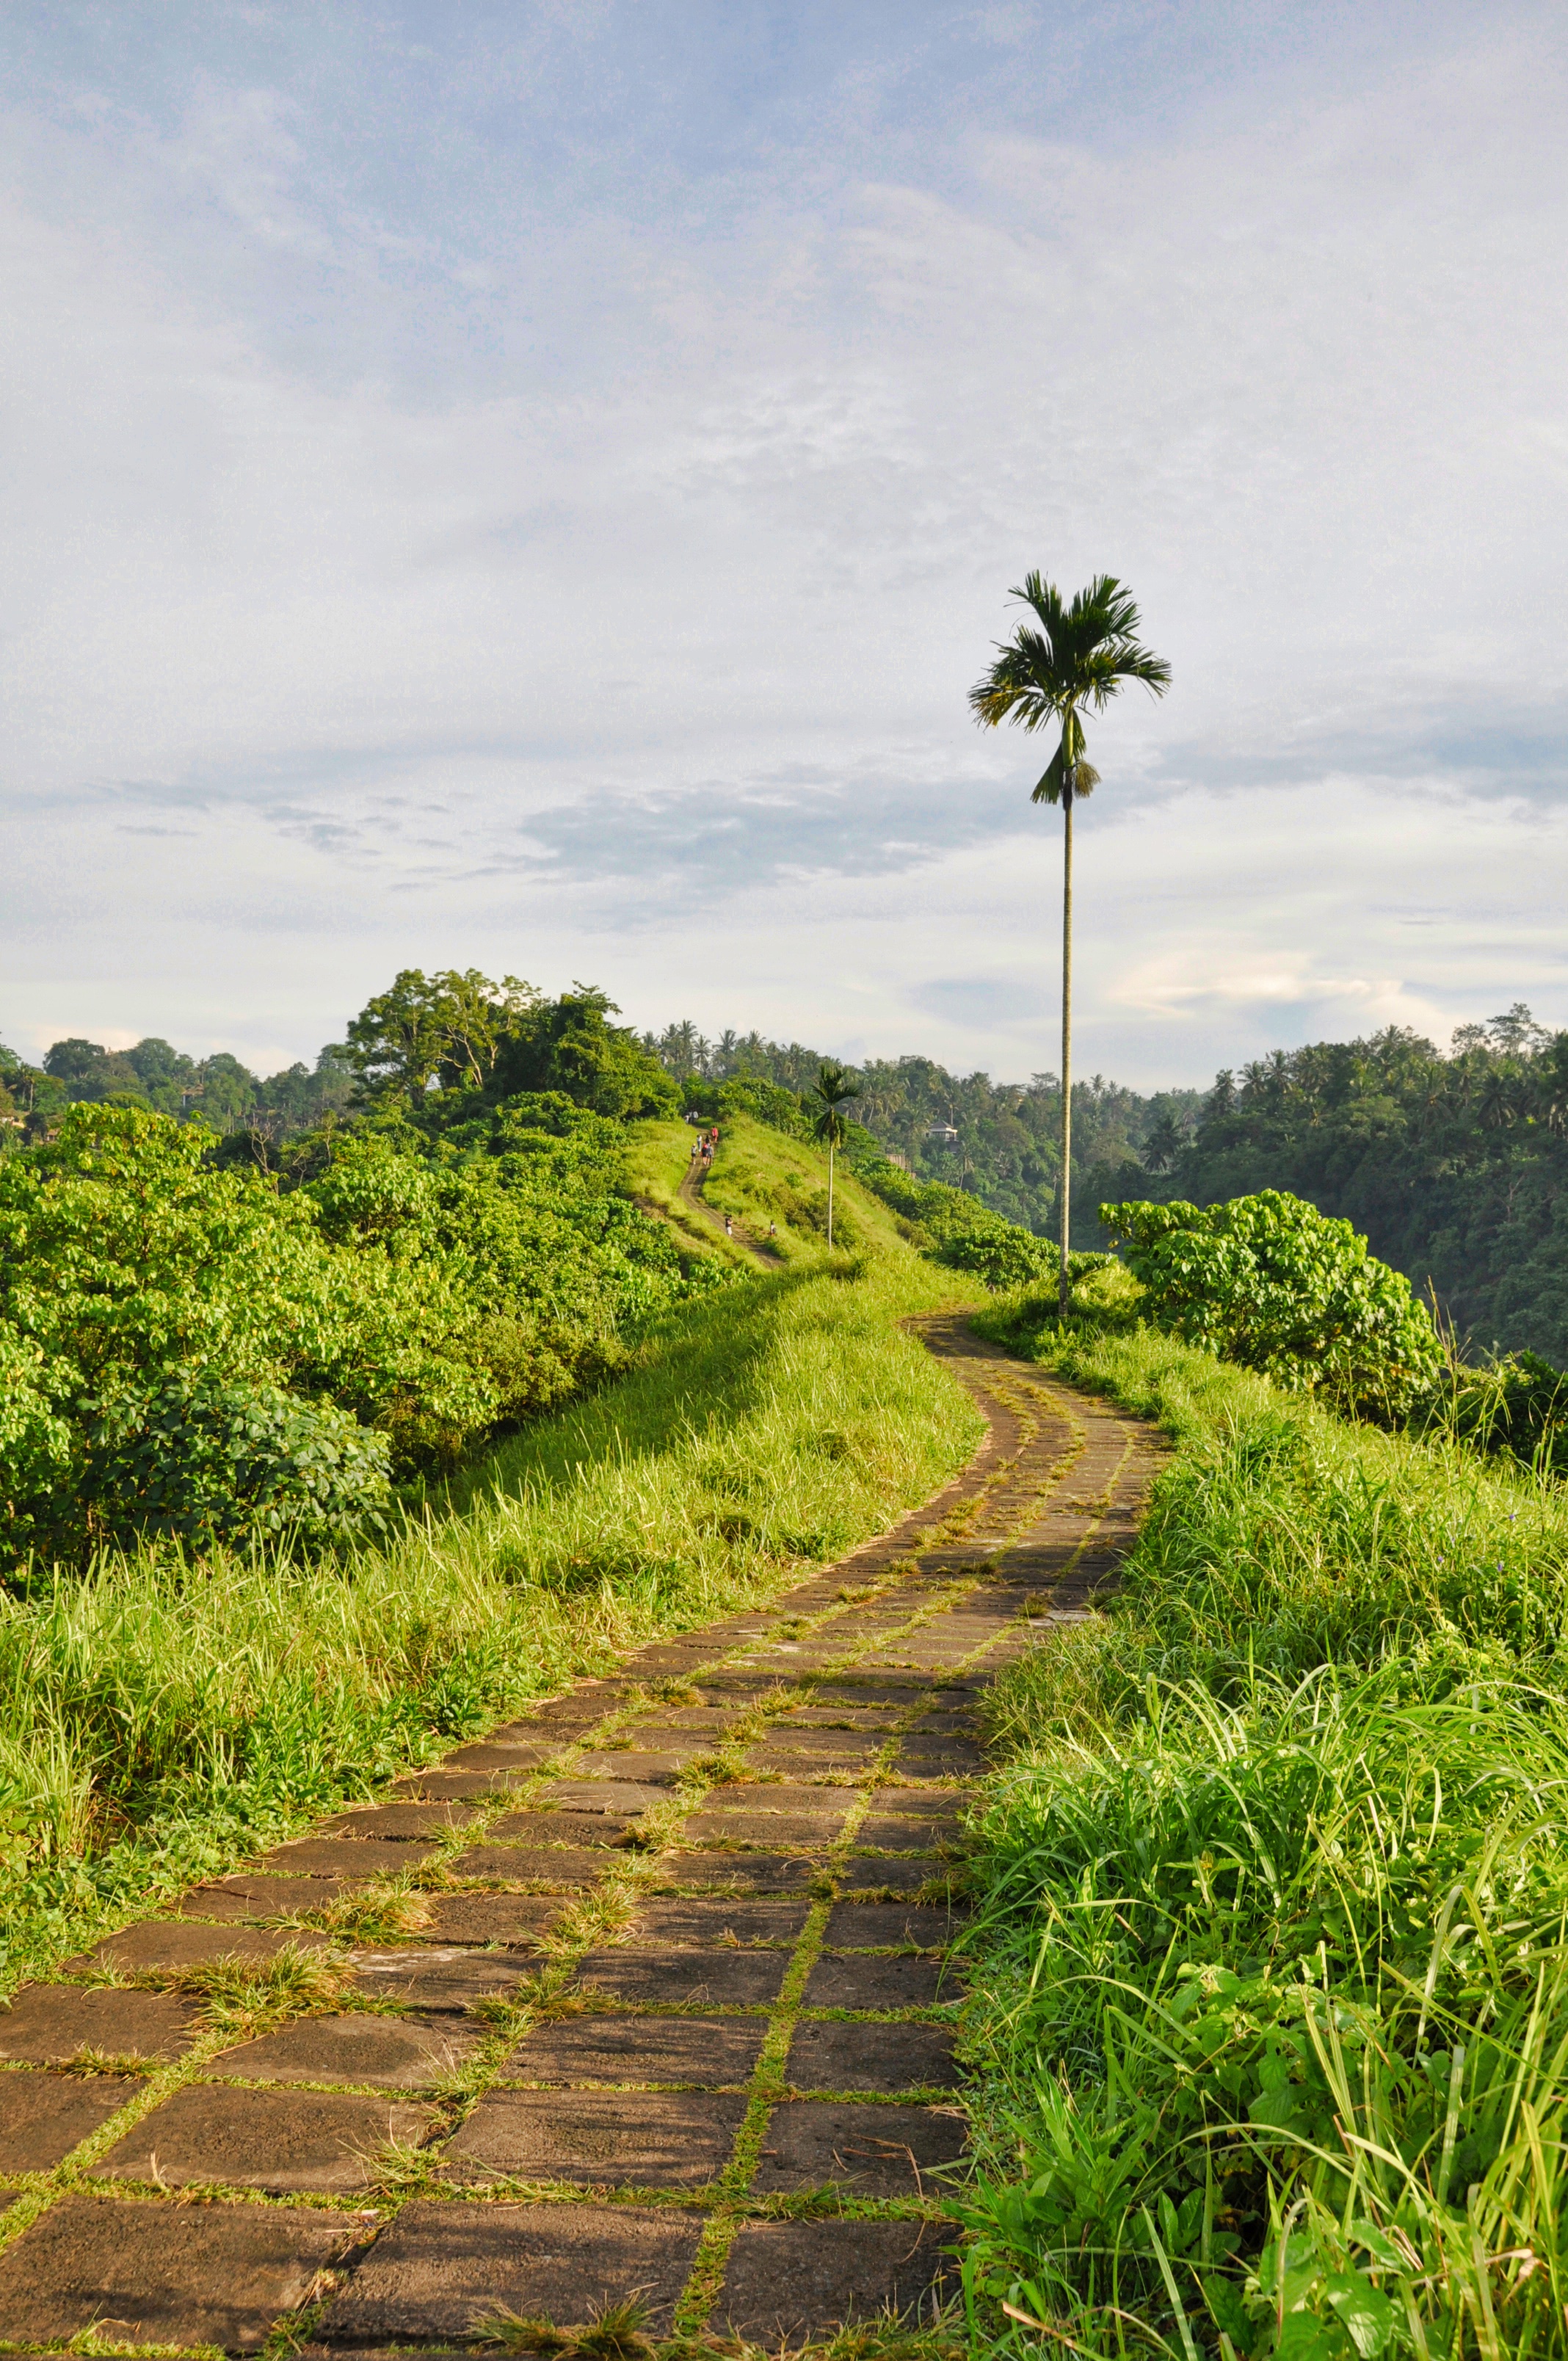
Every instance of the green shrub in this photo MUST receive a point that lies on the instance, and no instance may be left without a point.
(956, 1229)
(1518, 1405)
(204, 1461)
(194, 1348)
(1272, 1283)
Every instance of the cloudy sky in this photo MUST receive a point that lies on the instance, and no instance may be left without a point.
(529, 486)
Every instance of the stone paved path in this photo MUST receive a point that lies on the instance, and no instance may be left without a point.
(649, 1994)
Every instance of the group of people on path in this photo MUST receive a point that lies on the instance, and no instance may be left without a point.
(703, 1147)
(703, 1151)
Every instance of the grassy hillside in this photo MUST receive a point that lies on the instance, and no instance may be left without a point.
(1275, 2001)
(760, 1177)
(163, 1715)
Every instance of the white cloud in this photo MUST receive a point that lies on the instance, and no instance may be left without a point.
(624, 625)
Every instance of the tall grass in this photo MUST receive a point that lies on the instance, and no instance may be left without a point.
(1277, 1920)
(158, 1717)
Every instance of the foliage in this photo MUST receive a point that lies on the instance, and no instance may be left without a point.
(1269, 1281)
(958, 1231)
(1455, 1166)
(218, 1091)
(1276, 2004)
(1517, 1404)
(444, 1048)
(1076, 653)
(165, 1718)
(1006, 1151)
(195, 1349)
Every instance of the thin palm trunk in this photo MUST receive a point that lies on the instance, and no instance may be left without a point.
(829, 1196)
(1062, 1283)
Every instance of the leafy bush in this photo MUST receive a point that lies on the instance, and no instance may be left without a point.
(1269, 1281)
(957, 1229)
(1518, 1405)
(192, 1347)
(204, 1461)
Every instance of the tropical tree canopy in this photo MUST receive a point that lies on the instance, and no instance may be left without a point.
(833, 1086)
(1080, 654)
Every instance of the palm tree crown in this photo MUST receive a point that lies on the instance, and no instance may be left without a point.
(1085, 648)
(833, 1086)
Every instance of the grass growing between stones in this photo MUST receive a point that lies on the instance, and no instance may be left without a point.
(162, 1718)
(1273, 1954)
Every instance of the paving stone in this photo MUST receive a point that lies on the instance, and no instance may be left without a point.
(43, 2116)
(386, 2353)
(400, 1821)
(448, 1977)
(787, 2282)
(764, 1827)
(284, 2141)
(388, 2053)
(488, 1754)
(784, 1797)
(829, 1745)
(625, 1796)
(875, 1873)
(917, 1803)
(514, 1919)
(605, 1829)
(437, 2267)
(234, 1901)
(569, 1867)
(683, 1720)
(356, 1859)
(458, 1786)
(686, 1978)
(803, 1762)
(614, 2138)
(695, 1925)
(872, 1925)
(660, 1661)
(583, 1706)
(907, 1834)
(736, 1872)
(659, 1768)
(47, 2024)
(941, 1762)
(890, 1694)
(871, 2058)
(209, 2275)
(870, 2151)
(712, 2052)
(881, 1720)
(168, 1945)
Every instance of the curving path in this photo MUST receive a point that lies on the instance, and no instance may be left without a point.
(691, 1190)
(670, 2015)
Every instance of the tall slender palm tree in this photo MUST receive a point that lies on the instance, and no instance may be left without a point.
(832, 1089)
(1081, 655)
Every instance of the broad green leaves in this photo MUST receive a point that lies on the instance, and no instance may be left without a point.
(1269, 1281)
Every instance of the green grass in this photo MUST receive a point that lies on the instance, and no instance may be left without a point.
(657, 1157)
(761, 1177)
(162, 1719)
(1274, 2021)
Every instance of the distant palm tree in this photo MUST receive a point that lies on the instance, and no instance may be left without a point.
(1080, 656)
(834, 1085)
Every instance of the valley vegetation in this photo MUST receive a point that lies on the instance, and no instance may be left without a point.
(324, 1445)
